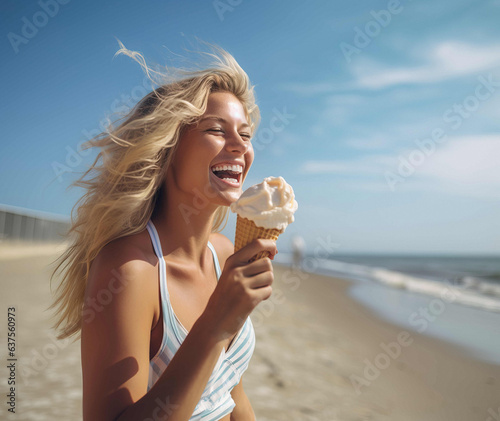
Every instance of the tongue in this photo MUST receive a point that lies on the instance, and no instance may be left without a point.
(226, 174)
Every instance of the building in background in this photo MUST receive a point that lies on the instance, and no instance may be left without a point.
(21, 224)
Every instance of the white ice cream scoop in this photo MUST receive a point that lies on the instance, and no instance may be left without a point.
(270, 204)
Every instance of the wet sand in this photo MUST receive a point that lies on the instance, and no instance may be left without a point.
(311, 339)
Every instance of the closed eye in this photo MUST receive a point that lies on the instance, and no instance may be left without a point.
(215, 130)
(248, 136)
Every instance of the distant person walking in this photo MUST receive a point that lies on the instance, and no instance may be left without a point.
(298, 246)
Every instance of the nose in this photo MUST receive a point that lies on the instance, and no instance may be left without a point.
(236, 143)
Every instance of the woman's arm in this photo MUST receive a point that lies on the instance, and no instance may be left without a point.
(116, 328)
(243, 410)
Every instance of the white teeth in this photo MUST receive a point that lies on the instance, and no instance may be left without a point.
(231, 180)
(235, 168)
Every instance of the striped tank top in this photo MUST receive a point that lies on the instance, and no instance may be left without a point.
(216, 400)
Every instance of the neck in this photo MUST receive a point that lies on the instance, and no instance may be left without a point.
(184, 228)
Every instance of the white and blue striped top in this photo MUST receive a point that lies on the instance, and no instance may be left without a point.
(216, 400)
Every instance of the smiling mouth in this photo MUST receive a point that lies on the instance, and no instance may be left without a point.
(228, 173)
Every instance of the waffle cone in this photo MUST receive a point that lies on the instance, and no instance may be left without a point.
(247, 231)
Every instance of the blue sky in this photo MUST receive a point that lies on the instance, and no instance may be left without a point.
(390, 109)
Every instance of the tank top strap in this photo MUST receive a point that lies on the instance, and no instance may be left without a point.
(216, 259)
(155, 239)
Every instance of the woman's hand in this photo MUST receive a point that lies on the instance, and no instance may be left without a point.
(241, 287)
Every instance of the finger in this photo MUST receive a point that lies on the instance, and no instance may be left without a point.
(257, 266)
(263, 293)
(251, 249)
(261, 255)
(261, 280)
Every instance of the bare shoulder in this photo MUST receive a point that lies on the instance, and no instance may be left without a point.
(223, 246)
(123, 272)
(126, 257)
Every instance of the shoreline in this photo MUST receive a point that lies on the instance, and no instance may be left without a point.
(475, 331)
(435, 308)
(341, 344)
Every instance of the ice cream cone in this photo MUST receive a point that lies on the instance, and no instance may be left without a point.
(264, 211)
(247, 231)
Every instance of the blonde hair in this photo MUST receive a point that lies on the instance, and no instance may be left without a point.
(134, 157)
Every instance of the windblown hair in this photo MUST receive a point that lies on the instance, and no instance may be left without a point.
(129, 171)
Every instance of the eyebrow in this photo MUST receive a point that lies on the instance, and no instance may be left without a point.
(220, 119)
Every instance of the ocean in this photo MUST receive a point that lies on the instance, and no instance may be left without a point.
(453, 298)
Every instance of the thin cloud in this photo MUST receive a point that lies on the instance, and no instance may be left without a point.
(472, 161)
(371, 164)
(446, 60)
(466, 165)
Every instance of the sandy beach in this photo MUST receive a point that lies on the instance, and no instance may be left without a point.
(319, 356)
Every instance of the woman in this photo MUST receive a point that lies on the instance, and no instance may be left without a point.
(165, 333)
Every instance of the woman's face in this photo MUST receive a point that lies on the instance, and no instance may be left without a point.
(214, 155)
